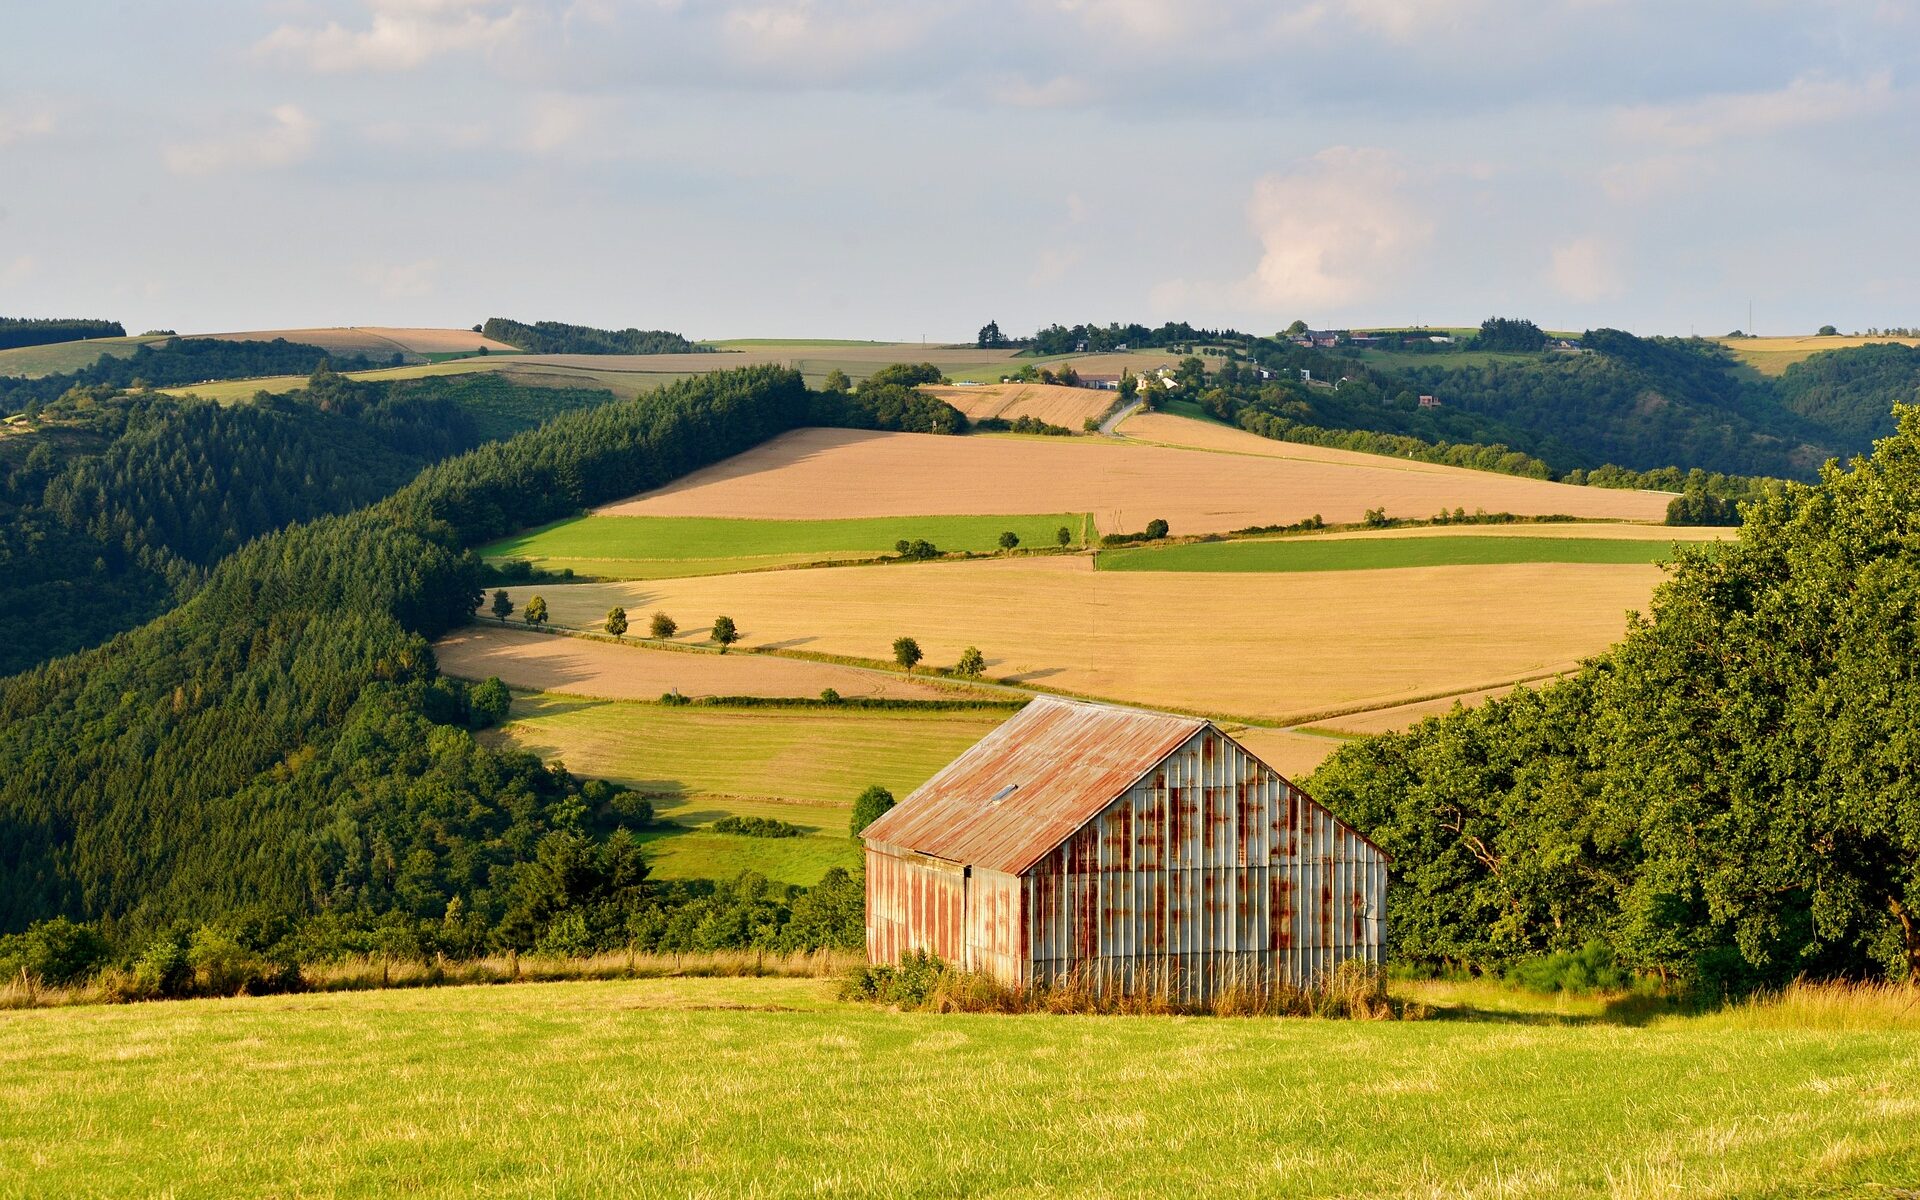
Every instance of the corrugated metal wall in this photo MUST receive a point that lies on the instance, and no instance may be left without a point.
(913, 903)
(1213, 869)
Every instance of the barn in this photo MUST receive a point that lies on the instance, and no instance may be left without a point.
(1124, 848)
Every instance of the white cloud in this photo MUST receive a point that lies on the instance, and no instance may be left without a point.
(401, 280)
(1060, 91)
(399, 35)
(285, 142)
(1336, 230)
(1709, 120)
(19, 126)
(811, 39)
(1585, 269)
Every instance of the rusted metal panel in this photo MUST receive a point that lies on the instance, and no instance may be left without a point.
(1210, 868)
(1030, 784)
(913, 904)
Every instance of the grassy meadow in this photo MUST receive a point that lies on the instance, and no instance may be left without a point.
(631, 547)
(58, 358)
(771, 1087)
(1773, 355)
(1381, 553)
(800, 765)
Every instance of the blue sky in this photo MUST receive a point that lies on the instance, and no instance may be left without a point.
(847, 169)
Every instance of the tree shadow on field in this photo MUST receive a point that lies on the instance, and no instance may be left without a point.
(788, 644)
(1030, 676)
(1631, 1010)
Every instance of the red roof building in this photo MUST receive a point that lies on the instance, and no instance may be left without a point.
(1124, 848)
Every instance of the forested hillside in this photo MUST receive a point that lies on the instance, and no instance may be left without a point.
(176, 362)
(1728, 797)
(114, 506)
(44, 331)
(1850, 393)
(280, 749)
(557, 337)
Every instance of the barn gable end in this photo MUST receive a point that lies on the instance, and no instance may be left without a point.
(1123, 848)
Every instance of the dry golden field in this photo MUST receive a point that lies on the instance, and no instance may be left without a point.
(1284, 647)
(847, 473)
(1294, 754)
(1068, 406)
(1773, 355)
(374, 340)
(582, 667)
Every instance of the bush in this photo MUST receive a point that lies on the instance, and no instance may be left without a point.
(908, 985)
(1592, 968)
(829, 696)
(760, 827)
(1156, 529)
(1376, 518)
(163, 968)
(660, 626)
(55, 953)
(869, 807)
(673, 699)
(917, 550)
(226, 966)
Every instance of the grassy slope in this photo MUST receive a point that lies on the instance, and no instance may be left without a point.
(701, 764)
(730, 1087)
(61, 357)
(622, 547)
(1370, 554)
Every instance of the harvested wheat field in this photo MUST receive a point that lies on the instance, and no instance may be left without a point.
(1294, 754)
(1286, 647)
(1056, 405)
(374, 340)
(850, 473)
(1773, 355)
(584, 667)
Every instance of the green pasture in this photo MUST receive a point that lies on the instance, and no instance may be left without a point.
(1381, 553)
(623, 547)
(772, 1088)
(61, 357)
(802, 765)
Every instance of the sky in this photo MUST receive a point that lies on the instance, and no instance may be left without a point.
(907, 170)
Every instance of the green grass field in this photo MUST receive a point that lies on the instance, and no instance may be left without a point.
(770, 1087)
(61, 357)
(803, 765)
(1380, 553)
(621, 547)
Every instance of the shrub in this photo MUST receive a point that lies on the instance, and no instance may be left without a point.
(760, 827)
(1063, 536)
(163, 968)
(1592, 968)
(1376, 518)
(829, 696)
(1009, 540)
(56, 953)
(1156, 529)
(661, 626)
(673, 698)
(917, 550)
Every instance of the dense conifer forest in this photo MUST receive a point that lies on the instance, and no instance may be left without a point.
(558, 337)
(45, 331)
(278, 758)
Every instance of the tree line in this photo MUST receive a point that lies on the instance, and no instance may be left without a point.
(558, 337)
(1727, 798)
(177, 362)
(44, 331)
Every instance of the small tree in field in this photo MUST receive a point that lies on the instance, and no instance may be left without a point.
(869, 807)
(502, 605)
(1064, 536)
(617, 621)
(906, 652)
(1009, 540)
(660, 627)
(972, 663)
(836, 381)
(536, 613)
(725, 632)
(1156, 529)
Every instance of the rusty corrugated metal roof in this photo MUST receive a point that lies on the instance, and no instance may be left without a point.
(1025, 787)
